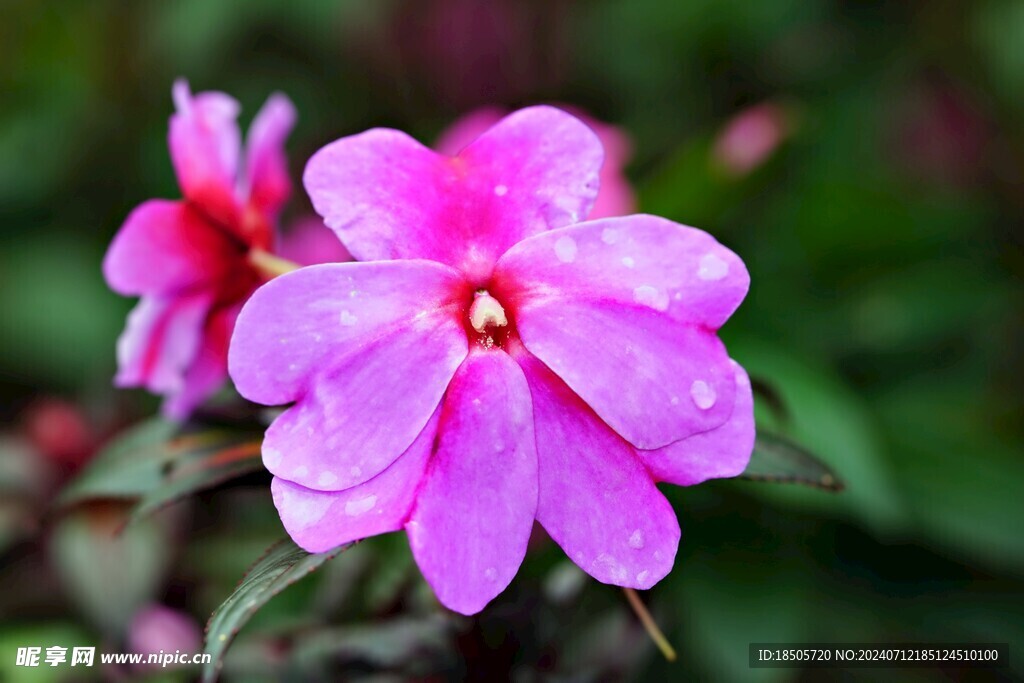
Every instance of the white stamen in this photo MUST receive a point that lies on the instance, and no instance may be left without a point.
(486, 311)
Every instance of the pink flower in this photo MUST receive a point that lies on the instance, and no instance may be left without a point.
(157, 629)
(751, 137)
(495, 361)
(615, 197)
(188, 259)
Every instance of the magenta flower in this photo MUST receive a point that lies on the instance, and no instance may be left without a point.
(188, 260)
(615, 197)
(495, 362)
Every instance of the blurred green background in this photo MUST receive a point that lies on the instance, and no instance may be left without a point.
(883, 237)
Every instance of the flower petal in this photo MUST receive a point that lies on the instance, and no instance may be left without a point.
(473, 517)
(387, 196)
(321, 520)
(596, 499)
(310, 321)
(637, 261)
(635, 339)
(205, 142)
(209, 368)
(309, 241)
(165, 247)
(160, 341)
(721, 452)
(348, 341)
(266, 168)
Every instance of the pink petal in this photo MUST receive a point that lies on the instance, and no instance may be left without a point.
(269, 184)
(205, 142)
(466, 129)
(160, 341)
(596, 499)
(321, 520)
(209, 368)
(721, 452)
(389, 197)
(639, 261)
(349, 342)
(475, 510)
(165, 247)
(309, 242)
(616, 196)
(634, 339)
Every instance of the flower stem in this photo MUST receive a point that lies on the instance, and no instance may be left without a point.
(648, 621)
(270, 265)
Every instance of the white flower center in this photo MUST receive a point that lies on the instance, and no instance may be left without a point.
(486, 312)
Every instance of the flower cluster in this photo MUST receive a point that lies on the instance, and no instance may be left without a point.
(490, 359)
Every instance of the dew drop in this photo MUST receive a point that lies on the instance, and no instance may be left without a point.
(326, 478)
(650, 296)
(490, 573)
(300, 471)
(674, 401)
(347, 319)
(641, 578)
(501, 190)
(703, 394)
(712, 267)
(636, 541)
(355, 470)
(272, 457)
(354, 508)
(628, 261)
(609, 236)
(565, 249)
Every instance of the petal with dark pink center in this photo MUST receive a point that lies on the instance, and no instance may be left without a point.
(596, 499)
(387, 196)
(474, 513)
(205, 144)
(721, 452)
(165, 247)
(320, 520)
(159, 342)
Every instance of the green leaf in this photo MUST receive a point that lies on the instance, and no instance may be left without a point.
(779, 460)
(282, 565)
(131, 465)
(188, 476)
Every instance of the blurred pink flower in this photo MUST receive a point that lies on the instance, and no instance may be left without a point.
(615, 196)
(157, 628)
(495, 361)
(188, 259)
(750, 138)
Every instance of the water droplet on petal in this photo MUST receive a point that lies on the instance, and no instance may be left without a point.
(650, 296)
(272, 457)
(636, 541)
(326, 478)
(641, 578)
(347, 319)
(500, 190)
(712, 267)
(355, 470)
(565, 249)
(300, 471)
(490, 573)
(628, 261)
(703, 394)
(609, 235)
(354, 508)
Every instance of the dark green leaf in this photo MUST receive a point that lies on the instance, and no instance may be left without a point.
(131, 465)
(192, 475)
(282, 565)
(777, 459)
